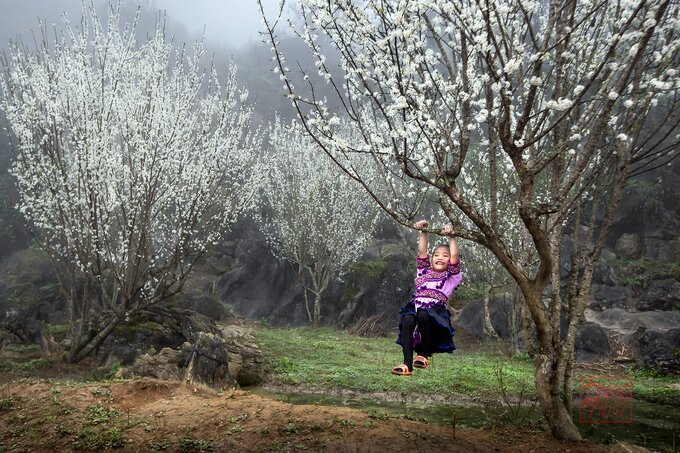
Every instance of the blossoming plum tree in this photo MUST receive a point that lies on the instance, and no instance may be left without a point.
(131, 159)
(318, 220)
(575, 97)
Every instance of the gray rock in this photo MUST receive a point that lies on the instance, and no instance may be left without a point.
(208, 362)
(662, 249)
(592, 343)
(660, 295)
(658, 350)
(604, 273)
(203, 304)
(470, 317)
(625, 322)
(245, 364)
(204, 354)
(166, 364)
(609, 297)
(629, 246)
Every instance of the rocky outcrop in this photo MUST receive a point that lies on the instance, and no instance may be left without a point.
(629, 246)
(208, 362)
(626, 322)
(210, 355)
(651, 337)
(605, 297)
(29, 293)
(659, 350)
(663, 295)
(592, 343)
(167, 364)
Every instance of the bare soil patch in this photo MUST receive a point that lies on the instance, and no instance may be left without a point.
(154, 415)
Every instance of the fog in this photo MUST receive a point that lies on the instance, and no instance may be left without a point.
(230, 28)
(226, 23)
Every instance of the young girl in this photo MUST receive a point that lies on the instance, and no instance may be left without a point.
(425, 323)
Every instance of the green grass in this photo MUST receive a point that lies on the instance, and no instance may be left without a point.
(328, 358)
(651, 386)
(188, 444)
(91, 439)
(21, 366)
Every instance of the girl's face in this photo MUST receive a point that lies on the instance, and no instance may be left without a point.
(440, 258)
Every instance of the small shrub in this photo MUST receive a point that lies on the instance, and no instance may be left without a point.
(368, 326)
(115, 367)
(103, 392)
(63, 430)
(290, 428)
(160, 445)
(91, 439)
(188, 444)
(237, 419)
(286, 365)
(98, 414)
(372, 269)
(17, 366)
(7, 403)
(634, 282)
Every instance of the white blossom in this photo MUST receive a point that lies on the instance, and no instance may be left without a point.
(321, 221)
(132, 160)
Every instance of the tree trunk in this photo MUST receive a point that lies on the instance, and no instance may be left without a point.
(549, 376)
(552, 404)
(515, 314)
(317, 310)
(527, 332)
(487, 327)
(82, 349)
(309, 313)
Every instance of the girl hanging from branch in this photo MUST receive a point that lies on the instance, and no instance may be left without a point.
(425, 322)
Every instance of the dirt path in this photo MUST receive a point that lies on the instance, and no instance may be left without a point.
(152, 415)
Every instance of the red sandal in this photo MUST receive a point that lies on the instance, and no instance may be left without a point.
(401, 370)
(421, 362)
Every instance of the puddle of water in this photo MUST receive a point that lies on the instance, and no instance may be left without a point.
(654, 426)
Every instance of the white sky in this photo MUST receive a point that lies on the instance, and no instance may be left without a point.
(231, 22)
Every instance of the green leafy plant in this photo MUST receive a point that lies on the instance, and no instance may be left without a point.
(98, 414)
(188, 444)
(7, 403)
(160, 445)
(92, 439)
(290, 428)
(634, 282)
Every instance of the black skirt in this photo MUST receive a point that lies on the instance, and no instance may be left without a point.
(442, 330)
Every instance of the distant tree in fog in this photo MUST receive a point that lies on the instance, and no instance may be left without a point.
(131, 160)
(319, 220)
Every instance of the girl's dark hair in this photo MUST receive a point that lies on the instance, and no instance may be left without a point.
(439, 246)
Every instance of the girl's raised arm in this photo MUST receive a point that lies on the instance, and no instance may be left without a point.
(453, 244)
(422, 240)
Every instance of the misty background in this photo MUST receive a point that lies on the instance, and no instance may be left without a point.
(225, 280)
(227, 23)
(230, 29)
(646, 230)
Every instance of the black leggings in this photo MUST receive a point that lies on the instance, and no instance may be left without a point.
(407, 327)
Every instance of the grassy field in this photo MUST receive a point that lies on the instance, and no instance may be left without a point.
(332, 359)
